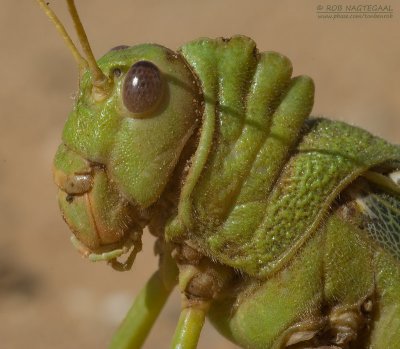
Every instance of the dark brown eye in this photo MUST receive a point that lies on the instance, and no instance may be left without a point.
(143, 87)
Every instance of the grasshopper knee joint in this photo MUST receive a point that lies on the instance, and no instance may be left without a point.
(200, 279)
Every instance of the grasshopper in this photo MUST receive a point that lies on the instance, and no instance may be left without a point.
(283, 229)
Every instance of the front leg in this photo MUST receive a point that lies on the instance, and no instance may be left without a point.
(141, 316)
(148, 304)
(200, 281)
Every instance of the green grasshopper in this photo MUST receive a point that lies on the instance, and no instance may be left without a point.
(283, 229)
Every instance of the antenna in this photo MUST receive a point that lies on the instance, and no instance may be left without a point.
(98, 78)
(82, 63)
(100, 81)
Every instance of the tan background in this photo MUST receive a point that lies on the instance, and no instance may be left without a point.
(49, 296)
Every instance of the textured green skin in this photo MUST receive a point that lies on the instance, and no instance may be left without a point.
(337, 266)
(260, 183)
(265, 186)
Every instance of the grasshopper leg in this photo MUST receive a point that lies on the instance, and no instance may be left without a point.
(200, 281)
(142, 315)
(188, 330)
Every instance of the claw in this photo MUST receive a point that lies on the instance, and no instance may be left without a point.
(127, 265)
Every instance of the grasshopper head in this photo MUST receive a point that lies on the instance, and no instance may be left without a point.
(127, 145)
(135, 110)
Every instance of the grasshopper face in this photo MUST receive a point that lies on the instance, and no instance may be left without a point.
(103, 222)
(133, 136)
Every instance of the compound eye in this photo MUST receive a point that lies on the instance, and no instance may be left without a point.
(143, 87)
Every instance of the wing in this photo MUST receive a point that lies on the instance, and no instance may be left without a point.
(379, 205)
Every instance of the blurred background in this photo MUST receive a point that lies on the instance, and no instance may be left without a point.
(49, 296)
